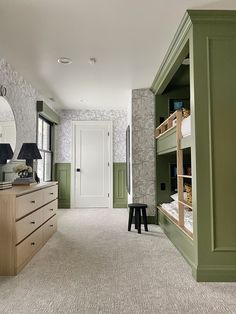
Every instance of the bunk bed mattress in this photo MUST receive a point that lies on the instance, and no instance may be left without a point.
(186, 126)
(172, 209)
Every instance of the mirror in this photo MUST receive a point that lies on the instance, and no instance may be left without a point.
(7, 124)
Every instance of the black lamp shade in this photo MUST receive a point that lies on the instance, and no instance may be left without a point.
(5, 152)
(29, 151)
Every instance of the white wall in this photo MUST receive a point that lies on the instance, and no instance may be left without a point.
(63, 132)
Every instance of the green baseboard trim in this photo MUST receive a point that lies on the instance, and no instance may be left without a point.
(214, 274)
(63, 204)
(119, 205)
(150, 219)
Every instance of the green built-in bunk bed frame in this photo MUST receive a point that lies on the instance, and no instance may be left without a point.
(207, 87)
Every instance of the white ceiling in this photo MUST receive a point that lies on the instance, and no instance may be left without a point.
(128, 38)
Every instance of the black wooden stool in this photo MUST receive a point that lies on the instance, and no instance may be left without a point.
(137, 208)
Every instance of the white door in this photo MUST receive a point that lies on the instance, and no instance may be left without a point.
(91, 169)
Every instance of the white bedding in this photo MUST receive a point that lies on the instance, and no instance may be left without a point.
(186, 126)
(172, 209)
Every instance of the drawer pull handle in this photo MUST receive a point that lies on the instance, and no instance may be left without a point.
(51, 225)
(33, 202)
(51, 209)
(51, 193)
(32, 243)
(32, 222)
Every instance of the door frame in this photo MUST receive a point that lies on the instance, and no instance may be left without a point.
(93, 123)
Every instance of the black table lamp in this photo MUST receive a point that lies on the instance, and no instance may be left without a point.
(29, 152)
(5, 153)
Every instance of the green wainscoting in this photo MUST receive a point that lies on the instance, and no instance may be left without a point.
(119, 185)
(63, 175)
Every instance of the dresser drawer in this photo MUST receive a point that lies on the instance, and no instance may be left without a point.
(26, 249)
(28, 224)
(49, 228)
(50, 194)
(28, 203)
(49, 210)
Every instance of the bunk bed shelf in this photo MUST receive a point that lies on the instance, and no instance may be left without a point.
(167, 131)
(166, 143)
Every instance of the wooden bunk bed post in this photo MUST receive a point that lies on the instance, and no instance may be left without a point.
(180, 168)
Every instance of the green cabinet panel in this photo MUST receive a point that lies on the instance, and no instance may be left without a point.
(119, 185)
(180, 240)
(63, 175)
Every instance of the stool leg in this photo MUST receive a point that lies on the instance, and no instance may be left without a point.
(131, 212)
(139, 220)
(136, 218)
(145, 218)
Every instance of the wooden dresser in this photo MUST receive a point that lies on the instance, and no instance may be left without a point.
(27, 220)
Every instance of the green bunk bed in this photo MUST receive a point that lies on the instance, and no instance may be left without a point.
(199, 70)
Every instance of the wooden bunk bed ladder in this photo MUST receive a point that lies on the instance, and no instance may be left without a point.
(180, 168)
(167, 125)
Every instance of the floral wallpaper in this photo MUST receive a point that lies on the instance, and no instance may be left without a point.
(143, 148)
(63, 132)
(22, 97)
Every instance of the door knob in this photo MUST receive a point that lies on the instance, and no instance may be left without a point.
(78, 169)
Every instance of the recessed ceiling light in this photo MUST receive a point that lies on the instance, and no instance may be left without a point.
(92, 60)
(64, 60)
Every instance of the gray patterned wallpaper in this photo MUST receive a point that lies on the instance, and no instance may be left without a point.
(143, 148)
(63, 132)
(22, 97)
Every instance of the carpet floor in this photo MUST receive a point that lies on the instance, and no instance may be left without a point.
(94, 265)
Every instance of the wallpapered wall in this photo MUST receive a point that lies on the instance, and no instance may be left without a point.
(143, 148)
(63, 134)
(22, 97)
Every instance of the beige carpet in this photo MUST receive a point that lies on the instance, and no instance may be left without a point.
(93, 265)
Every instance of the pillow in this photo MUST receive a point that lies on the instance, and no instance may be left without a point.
(175, 196)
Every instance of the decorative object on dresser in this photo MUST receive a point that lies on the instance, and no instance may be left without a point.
(29, 152)
(27, 220)
(6, 153)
